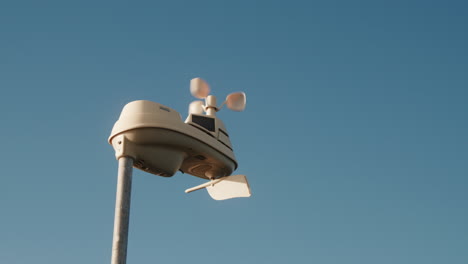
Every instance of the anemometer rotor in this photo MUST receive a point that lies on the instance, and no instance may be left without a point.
(201, 90)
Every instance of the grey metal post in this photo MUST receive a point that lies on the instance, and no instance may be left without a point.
(122, 211)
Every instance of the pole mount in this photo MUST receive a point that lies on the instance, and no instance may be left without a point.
(123, 148)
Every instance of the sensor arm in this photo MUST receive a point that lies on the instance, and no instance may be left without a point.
(221, 106)
(204, 185)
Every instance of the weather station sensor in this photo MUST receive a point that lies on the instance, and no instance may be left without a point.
(153, 137)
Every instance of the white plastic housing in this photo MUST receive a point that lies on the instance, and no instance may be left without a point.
(211, 105)
(160, 143)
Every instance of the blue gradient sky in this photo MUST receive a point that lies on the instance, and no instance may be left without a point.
(354, 136)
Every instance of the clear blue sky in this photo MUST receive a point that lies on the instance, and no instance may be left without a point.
(354, 137)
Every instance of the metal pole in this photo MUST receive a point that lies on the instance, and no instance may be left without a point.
(122, 211)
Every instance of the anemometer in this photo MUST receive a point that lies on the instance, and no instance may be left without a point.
(152, 137)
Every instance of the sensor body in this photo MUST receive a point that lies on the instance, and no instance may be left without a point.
(159, 142)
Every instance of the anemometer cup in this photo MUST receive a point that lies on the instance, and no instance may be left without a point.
(236, 101)
(199, 88)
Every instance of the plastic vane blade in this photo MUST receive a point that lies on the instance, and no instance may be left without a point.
(234, 186)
